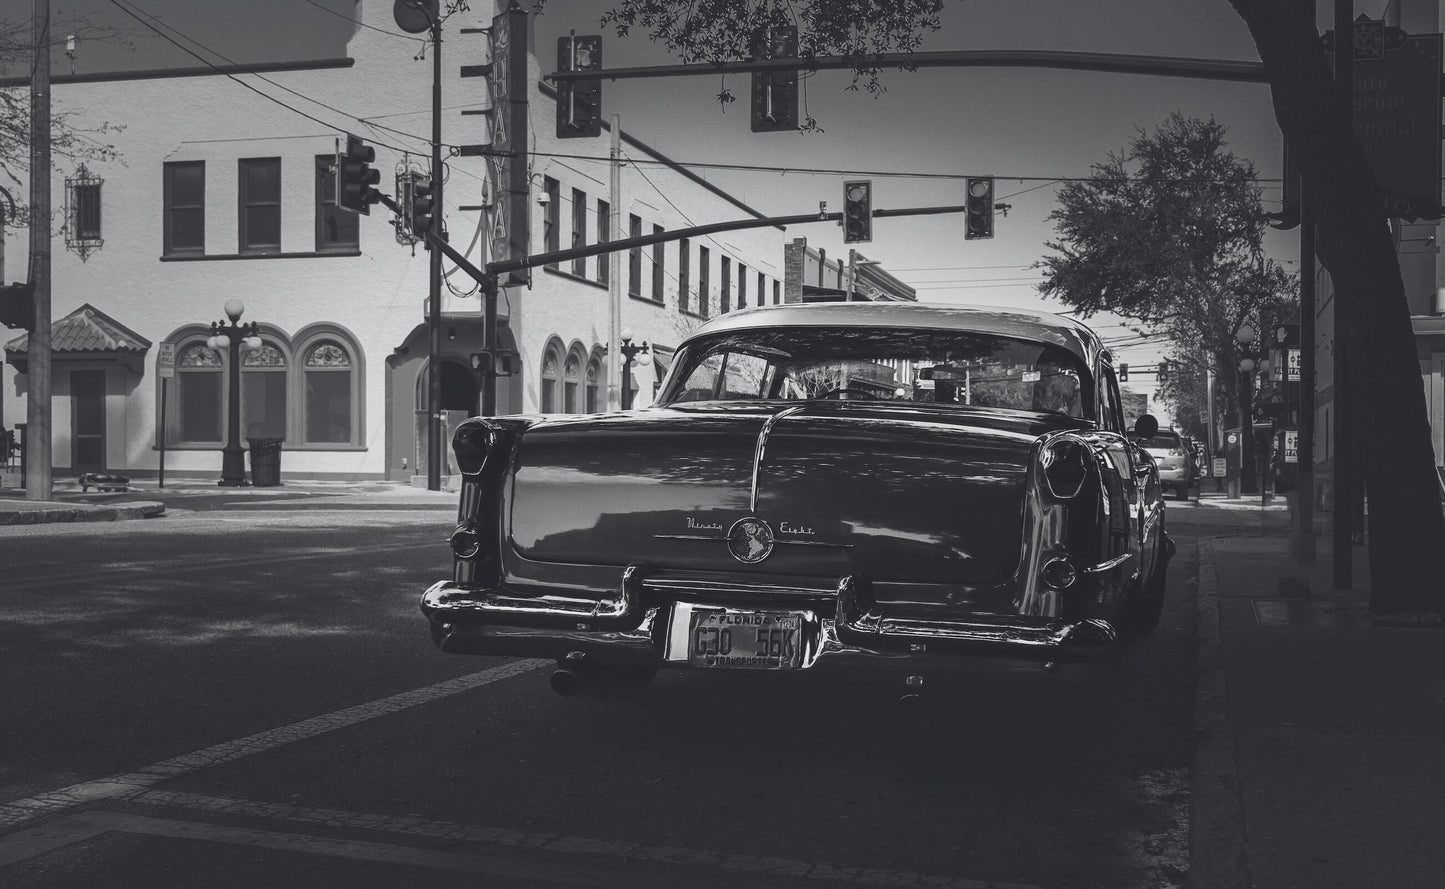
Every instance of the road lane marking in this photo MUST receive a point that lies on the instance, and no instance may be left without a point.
(128, 784)
(218, 566)
(631, 865)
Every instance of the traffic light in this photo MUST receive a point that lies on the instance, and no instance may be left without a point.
(775, 93)
(978, 213)
(579, 102)
(1124, 373)
(857, 211)
(355, 179)
(1163, 374)
(1286, 334)
(423, 204)
(17, 306)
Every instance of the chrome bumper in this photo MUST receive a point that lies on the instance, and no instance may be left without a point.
(638, 626)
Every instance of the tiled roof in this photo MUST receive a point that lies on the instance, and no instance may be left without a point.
(87, 329)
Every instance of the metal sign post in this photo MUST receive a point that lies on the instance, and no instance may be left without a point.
(166, 370)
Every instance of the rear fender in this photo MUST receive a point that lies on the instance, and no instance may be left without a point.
(479, 508)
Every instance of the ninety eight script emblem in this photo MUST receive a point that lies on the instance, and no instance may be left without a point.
(750, 540)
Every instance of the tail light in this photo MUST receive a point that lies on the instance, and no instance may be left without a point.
(1065, 463)
(1059, 573)
(472, 442)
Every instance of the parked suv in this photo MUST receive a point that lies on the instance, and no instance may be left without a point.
(1175, 459)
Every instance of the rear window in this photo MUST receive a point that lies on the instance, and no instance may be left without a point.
(1165, 438)
(937, 367)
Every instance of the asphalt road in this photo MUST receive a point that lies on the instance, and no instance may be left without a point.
(250, 697)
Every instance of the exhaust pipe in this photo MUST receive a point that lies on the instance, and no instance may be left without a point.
(566, 683)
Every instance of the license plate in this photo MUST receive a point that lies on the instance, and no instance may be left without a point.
(756, 640)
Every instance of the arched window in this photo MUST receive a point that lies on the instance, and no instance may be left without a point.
(594, 382)
(263, 392)
(199, 378)
(571, 383)
(327, 406)
(551, 378)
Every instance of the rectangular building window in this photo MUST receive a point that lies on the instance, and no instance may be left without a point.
(657, 266)
(777, 293)
(684, 273)
(185, 207)
(259, 227)
(704, 296)
(336, 229)
(725, 302)
(604, 234)
(742, 286)
(762, 289)
(84, 212)
(551, 217)
(579, 230)
(634, 257)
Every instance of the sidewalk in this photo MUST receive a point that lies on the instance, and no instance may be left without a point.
(145, 499)
(1320, 761)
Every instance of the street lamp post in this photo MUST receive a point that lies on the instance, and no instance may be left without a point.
(234, 337)
(631, 352)
(1246, 336)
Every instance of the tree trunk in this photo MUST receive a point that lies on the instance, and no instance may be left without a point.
(1407, 531)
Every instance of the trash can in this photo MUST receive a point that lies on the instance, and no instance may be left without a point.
(265, 461)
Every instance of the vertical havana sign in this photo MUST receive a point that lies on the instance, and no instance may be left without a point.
(507, 160)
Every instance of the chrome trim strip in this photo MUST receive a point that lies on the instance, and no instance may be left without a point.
(1110, 565)
(762, 445)
(776, 540)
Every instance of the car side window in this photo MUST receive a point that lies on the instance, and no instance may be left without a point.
(746, 376)
(702, 381)
(1111, 416)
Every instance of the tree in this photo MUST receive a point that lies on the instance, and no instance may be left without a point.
(1353, 241)
(1170, 233)
(69, 141)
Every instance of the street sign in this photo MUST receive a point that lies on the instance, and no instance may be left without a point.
(1218, 467)
(166, 361)
(1291, 446)
(1292, 364)
(1396, 101)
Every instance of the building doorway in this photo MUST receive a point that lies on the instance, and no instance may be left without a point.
(87, 420)
(460, 399)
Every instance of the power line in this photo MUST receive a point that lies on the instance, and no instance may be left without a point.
(213, 66)
(361, 23)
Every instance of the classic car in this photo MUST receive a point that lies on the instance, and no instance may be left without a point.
(899, 487)
(1175, 459)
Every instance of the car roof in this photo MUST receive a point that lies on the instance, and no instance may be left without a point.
(996, 320)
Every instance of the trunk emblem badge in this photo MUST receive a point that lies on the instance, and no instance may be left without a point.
(750, 540)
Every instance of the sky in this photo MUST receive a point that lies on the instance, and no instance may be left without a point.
(1028, 128)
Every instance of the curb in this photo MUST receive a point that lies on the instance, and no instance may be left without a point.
(133, 510)
(1216, 816)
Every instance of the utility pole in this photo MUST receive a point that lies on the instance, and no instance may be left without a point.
(1342, 555)
(1305, 447)
(614, 281)
(852, 263)
(436, 453)
(37, 352)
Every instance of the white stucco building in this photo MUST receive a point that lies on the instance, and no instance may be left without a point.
(221, 193)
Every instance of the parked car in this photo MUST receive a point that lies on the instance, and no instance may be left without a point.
(896, 487)
(1176, 461)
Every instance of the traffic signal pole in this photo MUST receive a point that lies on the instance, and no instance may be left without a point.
(435, 452)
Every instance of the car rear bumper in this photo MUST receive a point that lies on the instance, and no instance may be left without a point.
(642, 625)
